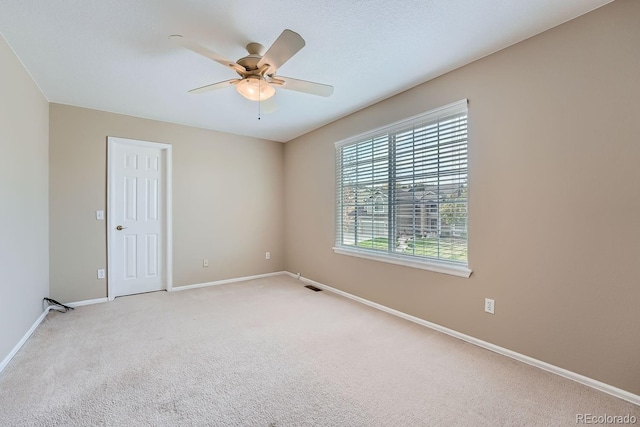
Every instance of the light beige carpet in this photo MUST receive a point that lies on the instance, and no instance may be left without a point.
(269, 352)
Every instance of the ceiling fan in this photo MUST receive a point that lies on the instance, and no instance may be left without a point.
(257, 71)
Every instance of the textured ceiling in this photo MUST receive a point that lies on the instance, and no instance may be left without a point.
(114, 55)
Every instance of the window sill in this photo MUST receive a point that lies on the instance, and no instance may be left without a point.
(454, 270)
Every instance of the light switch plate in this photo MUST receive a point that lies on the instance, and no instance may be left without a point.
(100, 215)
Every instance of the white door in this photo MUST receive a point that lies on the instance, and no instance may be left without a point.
(137, 217)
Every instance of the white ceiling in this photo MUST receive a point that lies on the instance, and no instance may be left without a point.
(114, 55)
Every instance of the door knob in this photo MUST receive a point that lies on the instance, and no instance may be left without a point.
(119, 228)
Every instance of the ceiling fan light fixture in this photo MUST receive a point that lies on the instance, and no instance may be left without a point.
(255, 88)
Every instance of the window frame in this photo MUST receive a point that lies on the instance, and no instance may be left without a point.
(460, 269)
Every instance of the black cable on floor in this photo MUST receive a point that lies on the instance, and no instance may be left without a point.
(55, 305)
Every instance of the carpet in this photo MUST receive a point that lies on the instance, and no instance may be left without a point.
(270, 352)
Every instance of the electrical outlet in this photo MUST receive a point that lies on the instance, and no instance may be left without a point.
(489, 305)
(205, 262)
(101, 273)
(267, 255)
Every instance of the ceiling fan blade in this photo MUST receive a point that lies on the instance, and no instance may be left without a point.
(303, 86)
(285, 46)
(195, 47)
(219, 85)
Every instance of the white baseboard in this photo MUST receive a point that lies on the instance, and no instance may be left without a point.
(590, 382)
(88, 302)
(24, 339)
(224, 282)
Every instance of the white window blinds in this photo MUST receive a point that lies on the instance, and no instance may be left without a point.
(402, 190)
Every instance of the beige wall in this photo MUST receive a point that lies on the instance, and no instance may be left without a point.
(554, 131)
(227, 200)
(24, 256)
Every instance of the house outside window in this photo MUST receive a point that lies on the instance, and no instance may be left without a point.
(402, 192)
(378, 205)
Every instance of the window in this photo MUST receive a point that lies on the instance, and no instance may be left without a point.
(402, 192)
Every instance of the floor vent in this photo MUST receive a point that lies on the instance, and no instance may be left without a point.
(313, 288)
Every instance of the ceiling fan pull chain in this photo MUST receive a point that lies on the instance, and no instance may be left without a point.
(259, 100)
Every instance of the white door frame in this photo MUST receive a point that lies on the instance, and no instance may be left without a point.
(167, 249)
